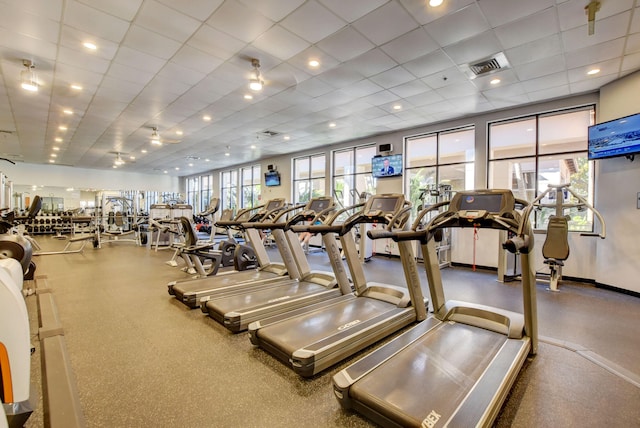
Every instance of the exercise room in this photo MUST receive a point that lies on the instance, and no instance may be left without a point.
(312, 213)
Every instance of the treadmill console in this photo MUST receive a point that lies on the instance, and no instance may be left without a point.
(383, 205)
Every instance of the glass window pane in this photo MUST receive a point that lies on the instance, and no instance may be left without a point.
(457, 146)
(459, 177)
(301, 191)
(247, 176)
(343, 162)
(317, 186)
(257, 179)
(301, 168)
(518, 175)
(512, 139)
(417, 180)
(318, 166)
(565, 132)
(422, 151)
(363, 158)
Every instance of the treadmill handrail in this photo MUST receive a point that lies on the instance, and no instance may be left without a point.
(273, 223)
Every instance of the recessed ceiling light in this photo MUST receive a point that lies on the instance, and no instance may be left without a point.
(593, 71)
(227, 154)
(53, 155)
(332, 125)
(143, 151)
(56, 149)
(286, 137)
(495, 81)
(190, 164)
(165, 171)
(177, 168)
(67, 111)
(435, 3)
(62, 128)
(132, 157)
(76, 87)
(397, 107)
(178, 132)
(58, 140)
(90, 46)
(52, 161)
(314, 63)
(253, 146)
(207, 160)
(206, 118)
(248, 97)
(114, 166)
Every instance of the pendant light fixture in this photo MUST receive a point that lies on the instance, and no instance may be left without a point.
(256, 82)
(28, 78)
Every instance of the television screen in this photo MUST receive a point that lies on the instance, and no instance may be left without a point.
(386, 166)
(620, 137)
(272, 178)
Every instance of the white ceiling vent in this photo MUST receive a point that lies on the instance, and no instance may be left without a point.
(486, 66)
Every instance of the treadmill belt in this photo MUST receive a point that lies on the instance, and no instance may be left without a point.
(433, 374)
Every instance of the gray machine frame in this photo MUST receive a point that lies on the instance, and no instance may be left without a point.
(192, 290)
(236, 311)
(314, 338)
(457, 367)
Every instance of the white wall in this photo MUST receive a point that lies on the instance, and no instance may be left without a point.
(65, 176)
(617, 185)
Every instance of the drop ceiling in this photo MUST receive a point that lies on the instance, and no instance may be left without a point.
(385, 65)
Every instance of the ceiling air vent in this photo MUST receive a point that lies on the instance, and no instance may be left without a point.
(486, 66)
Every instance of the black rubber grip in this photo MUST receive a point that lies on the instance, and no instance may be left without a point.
(380, 234)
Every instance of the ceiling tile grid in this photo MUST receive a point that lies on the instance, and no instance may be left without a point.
(383, 65)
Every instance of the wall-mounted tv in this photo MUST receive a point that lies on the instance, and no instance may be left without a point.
(386, 166)
(272, 178)
(619, 137)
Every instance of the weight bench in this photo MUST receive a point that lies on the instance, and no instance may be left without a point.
(67, 248)
(555, 249)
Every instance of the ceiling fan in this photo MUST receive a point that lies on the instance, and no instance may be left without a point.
(156, 140)
(119, 161)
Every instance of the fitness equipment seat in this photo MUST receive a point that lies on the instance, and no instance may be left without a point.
(195, 254)
(555, 249)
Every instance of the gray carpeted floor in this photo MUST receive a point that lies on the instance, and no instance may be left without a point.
(141, 358)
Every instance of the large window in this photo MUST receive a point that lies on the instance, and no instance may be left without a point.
(308, 177)
(527, 154)
(352, 173)
(193, 192)
(229, 190)
(250, 186)
(205, 191)
(439, 160)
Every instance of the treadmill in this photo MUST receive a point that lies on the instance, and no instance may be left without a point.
(236, 311)
(191, 291)
(312, 339)
(457, 367)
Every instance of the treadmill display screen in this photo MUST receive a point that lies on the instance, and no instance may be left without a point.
(318, 205)
(272, 205)
(386, 205)
(491, 202)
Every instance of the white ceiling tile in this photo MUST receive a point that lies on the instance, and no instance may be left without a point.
(215, 42)
(450, 76)
(460, 25)
(592, 84)
(540, 68)
(550, 93)
(85, 62)
(280, 43)
(282, 77)
(475, 48)
(178, 72)
(528, 29)
(95, 22)
(340, 77)
(506, 77)
(20, 46)
(372, 62)
(424, 98)
(140, 60)
(410, 46)
(314, 87)
(409, 89)
(301, 60)
(534, 51)
(70, 74)
(197, 60)
(606, 68)
(239, 21)
(635, 21)
(607, 29)
(274, 9)
(423, 13)
(73, 39)
(499, 12)
(313, 22)
(633, 43)
(385, 23)
(51, 9)
(429, 64)
(380, 98)
(595, 54)
(463, 89)
(394, 77)
(362, 88)
(199, 9)
(544, 82)
(631, 62)
(123, 9)
(156, 17)
(25, 23)
(353, 9)
(149, 42)
(345, 44)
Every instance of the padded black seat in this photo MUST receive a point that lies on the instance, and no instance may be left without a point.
(556, 247)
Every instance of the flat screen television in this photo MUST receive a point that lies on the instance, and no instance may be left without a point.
(619, 137)
(272, 178)
(386, 166)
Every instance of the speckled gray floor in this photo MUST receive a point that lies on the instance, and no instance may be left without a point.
(143, 359)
